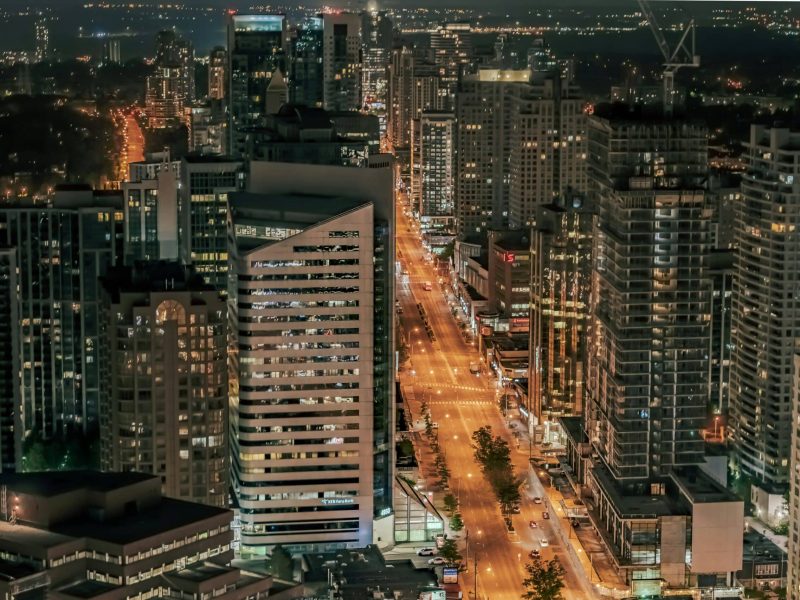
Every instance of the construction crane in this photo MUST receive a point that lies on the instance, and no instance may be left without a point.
(683, 55)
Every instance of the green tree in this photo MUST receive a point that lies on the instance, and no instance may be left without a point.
(544, 581)
(450, 504)
(281, 564)
(449, 552)
(481, 442)
(456, 522)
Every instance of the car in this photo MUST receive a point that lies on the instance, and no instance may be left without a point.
(533, 524)
(537, 500)
(515, 509)
(427, 286)
(426, 552)
(437, 560)
(542, 542)
(534, 553)
(545, 515)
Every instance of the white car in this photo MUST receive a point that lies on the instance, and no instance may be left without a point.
(537, 500)
(426, 552)
(437, 560)
(543, 543)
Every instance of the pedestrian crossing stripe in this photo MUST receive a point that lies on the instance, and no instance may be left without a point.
(460, 402)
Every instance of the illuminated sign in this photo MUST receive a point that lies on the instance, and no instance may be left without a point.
(508, 257)
(450, 575)
(338, 500)
(258, 22)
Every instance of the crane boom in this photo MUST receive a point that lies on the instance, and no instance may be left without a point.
(683, 55)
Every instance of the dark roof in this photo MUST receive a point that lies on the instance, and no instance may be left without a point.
(53, 483)
(209, 158)
(298, 209)
(87, 589)
(158, 276)
(305, 116)
(10, 571)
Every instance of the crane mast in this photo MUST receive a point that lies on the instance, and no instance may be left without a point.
(682, 55)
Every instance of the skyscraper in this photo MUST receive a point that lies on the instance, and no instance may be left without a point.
(561, 250)
(312, 408)
(377, 33)
(111, 52)
(10, 424)
(205, 183)
(217, 64)
(793, 575)
(151, 209)
(165, 382)
(62, 250)
(436, 148)
(255, 52)
(452, 49)
(548, 145)
(401, 80)
(164, 97)
(649, 370)
(172, 50)
(342, 61)
(306, 68)
(42, 39)
(485, 106)
(766, 307)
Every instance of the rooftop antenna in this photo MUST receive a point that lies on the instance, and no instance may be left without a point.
(682, 55)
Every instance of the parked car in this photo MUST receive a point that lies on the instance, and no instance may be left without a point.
(437, 560)
(533, 524)
(426, 552)
(515, 509)
(534, 553)
(537, 500)
(542, 542)
(545, 515)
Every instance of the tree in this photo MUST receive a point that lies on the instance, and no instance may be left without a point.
(456, 522)
(281, 564)
(449, 552)
(482, 440)
(544, 581)
(450, 504)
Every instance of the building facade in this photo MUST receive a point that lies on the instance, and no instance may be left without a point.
(206, 182)
(217, 64)
(766, 307)
(150, 198)
(10, 424)
(255, 52)
(312, 311)
(61, 252)
(306, 68)
(165, 382)
(793, 583)
(561, 250)
(436, 150)
(342, 61)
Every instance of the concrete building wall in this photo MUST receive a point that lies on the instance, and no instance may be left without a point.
(716, 538)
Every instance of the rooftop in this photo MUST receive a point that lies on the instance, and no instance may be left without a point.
(53, 483)
(87, 589)
(168, 515)
(157, 276)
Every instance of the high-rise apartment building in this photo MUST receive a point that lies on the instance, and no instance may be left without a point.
(165, 101)
(509, 270)
(86, 534)
(401, 81)
(255, 52)
(311, 304)
(548, 145)
(342, 61)
(61, 252)
(452, 48)
(561, 250)
(111, 52)
(151, 209)
(305, 67)
(165, 381)
(647, 386)
(208, 128)
(175, 51)
(42, 39)
(217, 65)
(485, 106)
(766, 306)
(649, 371)
(206, 182)
(377, 34)
(436, 158)
(10, 450)
(793, 576)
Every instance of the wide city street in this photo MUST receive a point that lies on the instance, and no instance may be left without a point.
(461, 402)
